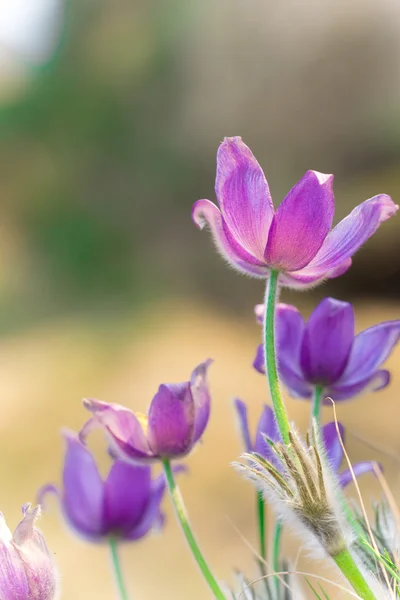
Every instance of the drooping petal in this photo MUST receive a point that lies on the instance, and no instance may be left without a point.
(205, 212)
(370, 350)
(301, 223)
(290, 328)
(327, 341)
(348, 236)
(241, 410)
(126, 495)
(305, 278)
(334, 451)
(83, 493)
(267, 427)
(243, 196)
(359, 469)
(295, 382)
(377, 381)
(172, 420)
(125, 430)
(259, 361)
(201, 398)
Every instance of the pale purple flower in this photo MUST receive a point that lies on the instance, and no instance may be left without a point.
(324, 351)
(296, 239)
(125, 505)
(176, 420)
(267, 428)
(27, 569)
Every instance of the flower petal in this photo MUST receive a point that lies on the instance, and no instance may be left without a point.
(327, 341)
(241, 410)
(126, 495)
(13, 580)
(290, 329)
(301, 223)
(334, 451)
(298, 387)
(306, 278)
(201, 398)
(243, 196)
(152, 516)
(172, 420)
(83, 493)
(359, 469)
(377, 381)
(370, 350)
(349, 235)
(266, 427)
(205, 212)
(124, 430)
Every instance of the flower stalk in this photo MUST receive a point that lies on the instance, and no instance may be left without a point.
(113, 544)
(317, 400)
(261, 524)
(271, 370)
(348, 567)
(276, 550)
(183, 519)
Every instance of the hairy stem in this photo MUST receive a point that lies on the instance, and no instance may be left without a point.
(123, 594)
(276, 551)
(317, 400)
(271, 295)
(183, 519)
(261, 523)
(350, 570)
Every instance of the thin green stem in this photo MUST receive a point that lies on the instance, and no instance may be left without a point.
(316, 406)
(276, 551)
(271, 370)
(123, 594)
(350, 570)
(261, 524)
(183, 519)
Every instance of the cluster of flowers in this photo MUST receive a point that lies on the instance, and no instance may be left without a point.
(321, 360)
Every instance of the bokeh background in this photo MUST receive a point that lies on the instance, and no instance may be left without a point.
(111, 113)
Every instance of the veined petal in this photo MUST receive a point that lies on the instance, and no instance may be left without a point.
(327, 341)
(13, 580)
(295, 382)
(205, 212)
(241, 410)
(359, 469)
(290, 329)
(172, 420)
(334, 451)
(201, 398)
(301, 223)
(243, 196)
(307, 278)
(377, 381)
(349, 235)
(370, 350)
(267, 427)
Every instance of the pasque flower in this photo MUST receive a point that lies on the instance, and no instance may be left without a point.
(267, 428)
(27, 570)
(296, 239)
(324, 351)
(176, 420)
(125, 505)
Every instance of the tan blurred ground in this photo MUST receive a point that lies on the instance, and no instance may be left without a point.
(46, 371)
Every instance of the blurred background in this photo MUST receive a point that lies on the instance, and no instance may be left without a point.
(110, 117)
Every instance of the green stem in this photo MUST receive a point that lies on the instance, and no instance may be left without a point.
(123, 594)
(271, 295)
(347, 565)
(317, 399)
(261, 524)
(276, 551)
(183, 519)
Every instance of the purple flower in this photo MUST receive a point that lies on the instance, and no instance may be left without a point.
(324, 352)
(296, 239)
(126, 505)
(27, 570)
(176, 420)
(267, 428)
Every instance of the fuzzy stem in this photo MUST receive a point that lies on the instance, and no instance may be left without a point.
(350, 570)
(183, 519)
(276, 550)
(316, 406)
(271, 296)
(261, 523)
(123, 594)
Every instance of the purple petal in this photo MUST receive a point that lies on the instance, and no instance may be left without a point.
(241, 410)
(201, 398)
(152, 516)
(348, 236)
(301, 223)
(13, 580)
(370, 350)
(327, 341)
(266, 427)
(289, 336)
(359, 469)
(377, 381)
(83, 489)
(126, 495)
(243, 196)
(124, 429)
(305, 279)
(334, 450)
(205, 212)
(259, 362)
(172, 420)
(259, 311)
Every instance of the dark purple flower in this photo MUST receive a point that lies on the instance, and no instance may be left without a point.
(125, 505)
(324, 352)
(176, 420)
(27, 570)
(296, 239)
(267, 427)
